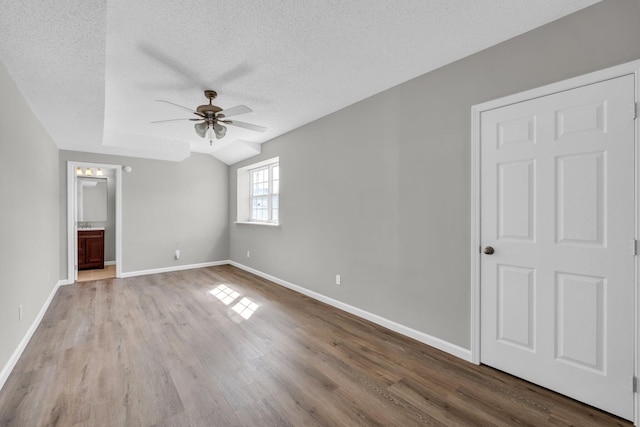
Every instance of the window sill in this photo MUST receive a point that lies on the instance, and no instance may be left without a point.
(268, 224)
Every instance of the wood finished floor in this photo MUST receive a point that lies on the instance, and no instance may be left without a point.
(161, 350)
(108, 272)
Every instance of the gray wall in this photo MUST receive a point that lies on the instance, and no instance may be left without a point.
(380, 191)
(165, 206)
(28, 216)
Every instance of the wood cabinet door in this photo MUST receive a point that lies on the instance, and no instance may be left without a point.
(94, 252)
(90, 249)
(81, 251)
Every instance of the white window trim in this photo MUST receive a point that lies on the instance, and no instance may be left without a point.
(243, 193)
(266, 224)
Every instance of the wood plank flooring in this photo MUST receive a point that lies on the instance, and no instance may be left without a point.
(108, 272)
(162, 350)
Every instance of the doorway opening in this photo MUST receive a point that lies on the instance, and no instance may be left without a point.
(94, 205)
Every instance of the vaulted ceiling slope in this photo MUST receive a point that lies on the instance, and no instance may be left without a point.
(92, 70)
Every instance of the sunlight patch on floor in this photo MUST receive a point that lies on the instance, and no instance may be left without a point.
(224, 294)
(245, 307)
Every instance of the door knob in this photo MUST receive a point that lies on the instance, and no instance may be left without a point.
(488, 250)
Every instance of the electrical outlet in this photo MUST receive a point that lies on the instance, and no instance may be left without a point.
(248, 254)
(177, 253)
(337, 279)
(20, 312)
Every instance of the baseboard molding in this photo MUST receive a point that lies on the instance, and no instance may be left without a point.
(430, 340)
(109, 263)
(174, 268)
(11, 363)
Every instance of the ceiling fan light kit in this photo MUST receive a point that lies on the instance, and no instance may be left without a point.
(211, 116)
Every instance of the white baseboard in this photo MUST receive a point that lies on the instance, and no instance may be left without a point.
(430, 340)
(174, 268)
(11, 363)
(109, 263)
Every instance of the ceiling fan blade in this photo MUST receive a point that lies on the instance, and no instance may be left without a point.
(234, 73)
(190, 76)
(181, 106)
(201, 129)
(173, 64)
(172, 120)
(234, 111)
(249, 126)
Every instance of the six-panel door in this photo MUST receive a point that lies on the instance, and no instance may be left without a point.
(557, 206)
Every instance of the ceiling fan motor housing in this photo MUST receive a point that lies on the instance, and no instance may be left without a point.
(208, 109)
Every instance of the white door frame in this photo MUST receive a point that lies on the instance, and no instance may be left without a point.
(632, 68)
(72, 230)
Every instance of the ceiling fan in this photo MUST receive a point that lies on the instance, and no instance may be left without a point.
(211, 117)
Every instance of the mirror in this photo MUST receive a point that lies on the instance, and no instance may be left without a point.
(92, 199)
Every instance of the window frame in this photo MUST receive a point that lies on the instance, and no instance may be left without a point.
(243, 190)
(269, 195)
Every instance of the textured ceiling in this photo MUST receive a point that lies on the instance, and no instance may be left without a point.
(92, 70)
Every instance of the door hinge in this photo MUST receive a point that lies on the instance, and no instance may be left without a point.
(636, 110)
(634, 384)
(634, 247)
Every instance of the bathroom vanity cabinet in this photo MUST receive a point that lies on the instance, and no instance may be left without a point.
(90, 249)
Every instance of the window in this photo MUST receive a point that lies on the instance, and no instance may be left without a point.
(265, 188)
(258, 193)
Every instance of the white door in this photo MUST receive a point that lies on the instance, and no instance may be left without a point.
(557, 207)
